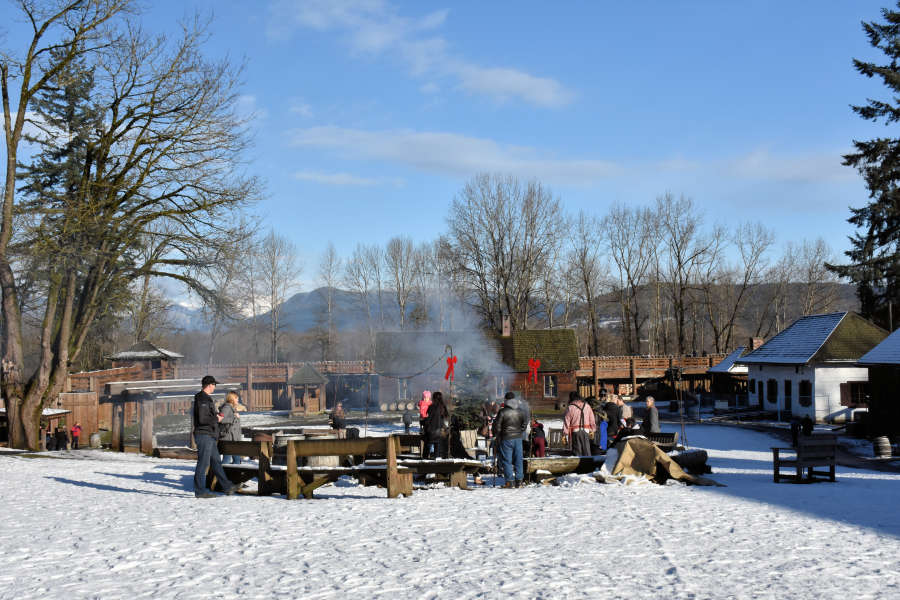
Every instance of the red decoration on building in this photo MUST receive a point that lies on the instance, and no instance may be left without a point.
(533, 365)
(451, 362)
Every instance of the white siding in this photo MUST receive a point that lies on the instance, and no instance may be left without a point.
(826, 388)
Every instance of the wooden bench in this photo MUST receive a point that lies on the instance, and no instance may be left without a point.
(555, 443)
(665, 441)
(295, 480)
(812, 451)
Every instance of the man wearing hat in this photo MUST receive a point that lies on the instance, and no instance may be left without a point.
(206, 433)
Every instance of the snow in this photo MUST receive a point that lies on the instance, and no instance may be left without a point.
(94, 524)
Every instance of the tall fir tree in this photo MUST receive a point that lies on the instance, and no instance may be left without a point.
(874, 255)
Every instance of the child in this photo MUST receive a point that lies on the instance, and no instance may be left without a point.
(538, 439)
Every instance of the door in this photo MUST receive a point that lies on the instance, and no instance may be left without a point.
(760, 392)
(787, 395)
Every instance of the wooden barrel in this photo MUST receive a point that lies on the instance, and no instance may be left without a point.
(95, 440)
(410, 406)
(383, 406)
(882, 446)
(324, 461)
(392, 406)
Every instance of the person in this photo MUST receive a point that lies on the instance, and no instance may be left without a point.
(509, 427)
(795, 430)
(613, 415)
(538, 439)
(433, 427)
(488, 414)
(627, 411)
(338, 420)
(423, 405)
(579, 425)
(230, 426)
(62, 439)
(407, 421)
(206, 433)
(650, 424)
(626, 431)
(806, 425)
(76, 434)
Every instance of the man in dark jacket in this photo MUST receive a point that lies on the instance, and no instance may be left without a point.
(509, 427)
(206, 435)
(613, 416)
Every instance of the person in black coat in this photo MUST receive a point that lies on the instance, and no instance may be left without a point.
(206, 434)
(613, 417)
(433, 427)
(806, 425)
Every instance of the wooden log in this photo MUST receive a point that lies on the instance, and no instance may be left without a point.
(560, 465)
(179, 452)
(391, 446)
(693, 461)
(118, 426)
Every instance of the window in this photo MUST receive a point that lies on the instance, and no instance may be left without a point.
(752, 386)
(772, 392)
(855, 393)
(788, 390)
(155, 364)
(551, 387)
(804, 393)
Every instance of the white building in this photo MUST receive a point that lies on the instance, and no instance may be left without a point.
(810, 367)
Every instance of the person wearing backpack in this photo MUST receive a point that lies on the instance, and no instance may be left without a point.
(579, 425)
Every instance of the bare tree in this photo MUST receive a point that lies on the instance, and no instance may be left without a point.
(819, 289)
(165, 146)
(279, 270)
(502, 233)
(685, 250)
(360, 277)
(726, 287)
(631, 236)
(329, 274)
(400, 267)
(588, 269)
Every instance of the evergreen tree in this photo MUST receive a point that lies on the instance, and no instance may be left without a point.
(875, 250)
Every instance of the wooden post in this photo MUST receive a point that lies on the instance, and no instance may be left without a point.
(250, 388)
(391, 477)
(292, 479)
(596, 370)
(146, 430)
(118, 423)
(264, 477)
(633, 376)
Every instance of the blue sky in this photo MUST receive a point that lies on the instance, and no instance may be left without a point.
(371, 115)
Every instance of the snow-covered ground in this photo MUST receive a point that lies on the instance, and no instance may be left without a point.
(92, 524)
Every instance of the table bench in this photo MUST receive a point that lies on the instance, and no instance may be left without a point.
(812, 451)
(295, 480)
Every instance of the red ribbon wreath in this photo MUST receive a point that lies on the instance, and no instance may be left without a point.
(533, 366)
(451, 361)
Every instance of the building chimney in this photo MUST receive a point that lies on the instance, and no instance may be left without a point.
(755, 342)
(507, 327)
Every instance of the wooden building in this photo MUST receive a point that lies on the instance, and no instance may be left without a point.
(487, 365)
(883, 364)
(306, 391)
(157, 362)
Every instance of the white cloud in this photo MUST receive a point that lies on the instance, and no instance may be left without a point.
(809, 168)
(247, 106)
(374, 27)
(451, 154)
(429, 88)
(298, 107)
(344, 179)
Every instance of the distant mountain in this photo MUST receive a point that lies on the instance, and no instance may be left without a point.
(187, 318)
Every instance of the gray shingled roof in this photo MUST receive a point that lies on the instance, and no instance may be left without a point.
(838, 337)
(306, 374)
(885, 353)
(145, 351)
(727, 364)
